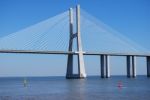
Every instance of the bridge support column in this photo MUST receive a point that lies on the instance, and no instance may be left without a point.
(131, 66)
(81, 68)
(102, 66)
(69, 73)
(105, 68)
(128, 67)
(148, 66)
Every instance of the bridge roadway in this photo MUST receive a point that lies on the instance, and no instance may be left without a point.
(131, 61)
(74, 53)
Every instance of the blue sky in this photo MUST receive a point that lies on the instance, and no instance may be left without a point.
(129, 17)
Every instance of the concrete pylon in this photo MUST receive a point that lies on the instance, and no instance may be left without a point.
(128, 66)
(81, 68)
(69, 73)
(131, 66)
(102, 66)
(105, 68)
(148, 66)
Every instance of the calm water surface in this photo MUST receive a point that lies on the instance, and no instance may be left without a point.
(59, 88)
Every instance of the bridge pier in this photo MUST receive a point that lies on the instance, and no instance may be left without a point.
(81, 68)
(105, 68)
(131, 66)
(69, 73)
(148, 66)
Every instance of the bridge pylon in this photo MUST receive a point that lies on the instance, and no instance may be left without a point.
(81, 67)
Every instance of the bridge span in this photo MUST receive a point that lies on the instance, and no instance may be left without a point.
(74, 53)
(104, 56)
(104, 59)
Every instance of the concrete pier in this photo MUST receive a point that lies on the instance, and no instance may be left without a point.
(81, 68)
(128, 67)
(69, 73)
(105, 68)
(131, 66)
(148, 66)
(102, 57)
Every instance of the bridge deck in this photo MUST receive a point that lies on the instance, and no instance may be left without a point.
(74, 53)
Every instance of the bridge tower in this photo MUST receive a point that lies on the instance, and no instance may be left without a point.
(81, 68)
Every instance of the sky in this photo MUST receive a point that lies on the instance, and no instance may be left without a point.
(129, 17)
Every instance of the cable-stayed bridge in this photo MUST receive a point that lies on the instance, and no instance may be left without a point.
(75, 32)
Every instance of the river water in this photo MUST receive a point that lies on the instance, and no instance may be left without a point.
(59, 88)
